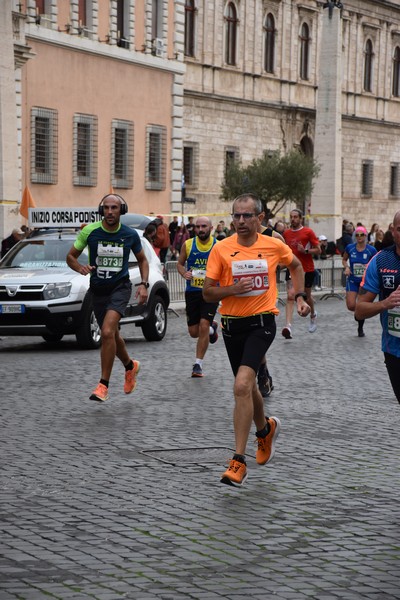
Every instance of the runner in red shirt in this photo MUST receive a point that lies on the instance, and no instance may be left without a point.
(305, 245)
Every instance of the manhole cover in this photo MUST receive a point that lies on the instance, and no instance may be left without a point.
(188, 456)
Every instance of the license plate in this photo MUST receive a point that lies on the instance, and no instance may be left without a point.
(12, 309)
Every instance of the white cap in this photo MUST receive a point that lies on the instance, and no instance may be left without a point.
(323, 238)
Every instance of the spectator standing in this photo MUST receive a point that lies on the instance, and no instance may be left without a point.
(378, 244)
(232, 229)
(172, 227)
(150, 233)
(358, 254)
(328, 249)
(181, 235)
(16, 235)
(388, 239)
(200, 314)
(219, 233)
(372, 234)
(241, 274)
(161, 240)
(347, 237)
(190, 227)
(305, 245)
(382, 278)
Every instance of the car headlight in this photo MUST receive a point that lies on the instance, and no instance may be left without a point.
(52, 291)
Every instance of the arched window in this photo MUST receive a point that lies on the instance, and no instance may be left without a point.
(269, 51)
(231, 34)
(304, 51)
(396, 73)
(190, 14)
(368, 64)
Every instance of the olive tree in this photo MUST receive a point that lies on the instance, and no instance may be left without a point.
(274, 178)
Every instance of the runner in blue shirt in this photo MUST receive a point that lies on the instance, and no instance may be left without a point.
(109, 244)
(358, 254)
(383, 277)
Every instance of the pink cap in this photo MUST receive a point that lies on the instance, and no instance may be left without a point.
(361, 230)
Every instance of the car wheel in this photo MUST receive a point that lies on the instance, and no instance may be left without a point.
(155, 327)
(52, 338)
(88, 334)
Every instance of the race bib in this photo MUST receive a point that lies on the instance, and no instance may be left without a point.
(109, 258)
(358, 269)
(257, 270)
(394, 322)
(198, 277)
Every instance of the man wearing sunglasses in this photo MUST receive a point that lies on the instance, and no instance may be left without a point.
(241, 274)
(358, 254)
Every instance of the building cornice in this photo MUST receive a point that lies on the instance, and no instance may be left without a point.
(96, 48)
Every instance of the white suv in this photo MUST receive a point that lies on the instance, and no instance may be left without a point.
(41, 295)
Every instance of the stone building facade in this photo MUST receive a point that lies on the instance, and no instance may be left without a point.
(91, 99)
(251, 84)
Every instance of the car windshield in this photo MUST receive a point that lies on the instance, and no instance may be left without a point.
(40, 254)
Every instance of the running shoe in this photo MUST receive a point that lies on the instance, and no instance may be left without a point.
(131, 377)
(197, 371)
(287, 332)
(266, 445)
(100, 393)
(214, 336)
(264, 382)
(313, 323)
(267, 389)
(361, 332)
(236, 473)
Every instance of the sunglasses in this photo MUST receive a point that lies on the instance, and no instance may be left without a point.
(246, 216)
(360, 234)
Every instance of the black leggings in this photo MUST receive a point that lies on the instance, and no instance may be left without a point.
(393, 368)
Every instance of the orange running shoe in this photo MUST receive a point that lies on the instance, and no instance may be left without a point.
(131, 376)
(100, 393)
(266, 445)
(236, 473)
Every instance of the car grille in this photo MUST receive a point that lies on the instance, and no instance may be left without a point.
(24, 293)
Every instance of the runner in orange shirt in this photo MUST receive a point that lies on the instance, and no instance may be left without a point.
(241, 274)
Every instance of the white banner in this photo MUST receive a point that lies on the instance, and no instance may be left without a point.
(62, 217)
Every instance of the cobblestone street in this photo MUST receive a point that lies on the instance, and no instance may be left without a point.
(123, 500)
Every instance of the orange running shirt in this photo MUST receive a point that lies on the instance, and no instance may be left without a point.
(229, 261)
(307, 237)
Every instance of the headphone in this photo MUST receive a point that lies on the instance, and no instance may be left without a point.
(124, 206)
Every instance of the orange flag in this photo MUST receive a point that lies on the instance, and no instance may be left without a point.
(26, 202)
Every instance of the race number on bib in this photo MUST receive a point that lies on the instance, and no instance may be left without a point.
(257, 270)
(198, 276)
(358, 269)
(109, 258)
(394, 322)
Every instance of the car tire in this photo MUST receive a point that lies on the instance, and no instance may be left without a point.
(155, 327)
(52, 338)
(88, 333)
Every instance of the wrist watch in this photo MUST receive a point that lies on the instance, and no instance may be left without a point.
(145, 283)
(301, 295)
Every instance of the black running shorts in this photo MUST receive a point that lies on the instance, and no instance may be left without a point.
(248, 339)
(308, 278)
(116, 299)
(197, 308)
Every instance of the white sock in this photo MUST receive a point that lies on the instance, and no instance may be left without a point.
(199, 361)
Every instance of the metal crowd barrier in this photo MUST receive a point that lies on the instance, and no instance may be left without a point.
(330, 281)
